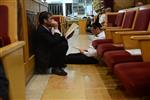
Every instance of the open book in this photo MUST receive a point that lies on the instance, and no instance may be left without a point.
(134, 51)
(70, 31)
(76, 48)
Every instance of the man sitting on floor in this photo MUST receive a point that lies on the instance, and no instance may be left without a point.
(50, 46)
(87, 56)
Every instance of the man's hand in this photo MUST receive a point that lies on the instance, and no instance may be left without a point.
(82, 50)
(54, 24)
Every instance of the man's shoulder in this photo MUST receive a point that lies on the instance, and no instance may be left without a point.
(102, 32)
(101, 35)
(41, 29)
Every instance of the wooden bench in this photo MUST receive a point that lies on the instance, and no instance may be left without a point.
(11, 53)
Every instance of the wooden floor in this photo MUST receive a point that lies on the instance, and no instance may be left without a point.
(83, 82)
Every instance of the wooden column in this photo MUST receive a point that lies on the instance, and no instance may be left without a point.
(82, 26)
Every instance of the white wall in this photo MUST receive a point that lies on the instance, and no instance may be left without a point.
(89, 9)
(68, 1)
(59, 1)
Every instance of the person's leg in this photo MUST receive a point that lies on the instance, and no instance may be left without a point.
(40, 67)
(42, 62)
(78, 58)
(58, 58)
(58, 54)
(4, 84)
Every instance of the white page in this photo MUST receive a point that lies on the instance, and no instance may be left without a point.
(134, 51)
(71, 29)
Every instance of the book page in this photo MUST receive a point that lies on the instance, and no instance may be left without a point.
(77, 48)
(71, 29)
(134, 51)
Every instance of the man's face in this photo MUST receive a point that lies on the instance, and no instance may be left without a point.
(51, 22)
(94, 31)
(48, 21)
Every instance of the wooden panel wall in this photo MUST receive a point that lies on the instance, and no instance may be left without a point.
(32, 7)
(36, 6)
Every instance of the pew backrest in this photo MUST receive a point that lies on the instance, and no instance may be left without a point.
(4, 25)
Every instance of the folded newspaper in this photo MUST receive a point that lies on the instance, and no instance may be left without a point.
(71, 30)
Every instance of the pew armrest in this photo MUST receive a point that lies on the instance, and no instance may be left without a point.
(119, 29)
(127, 41)
(132, 32)
(105, 28)
(13, 62)
(144, 42)
(11, 47)
(142, 37)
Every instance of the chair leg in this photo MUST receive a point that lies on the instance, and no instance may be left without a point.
(119, 86)
(109, 72)
(101, 62)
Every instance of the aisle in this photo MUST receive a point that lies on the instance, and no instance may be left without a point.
(83, 82)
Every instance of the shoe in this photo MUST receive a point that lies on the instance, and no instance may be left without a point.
(64, 66)
(59, 71)
(62, 70)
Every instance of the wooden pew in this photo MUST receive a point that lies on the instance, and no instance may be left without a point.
(82, 26)
(125, 35)
(110, 31)
(61, 21)
(112, 46)
(118, 20)
(12, 54)
(63, 24)
(129, 43)
(144, 42)
(12, 59)
(113, 57)
(134, 76)
(126, 26)
(110, 19)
